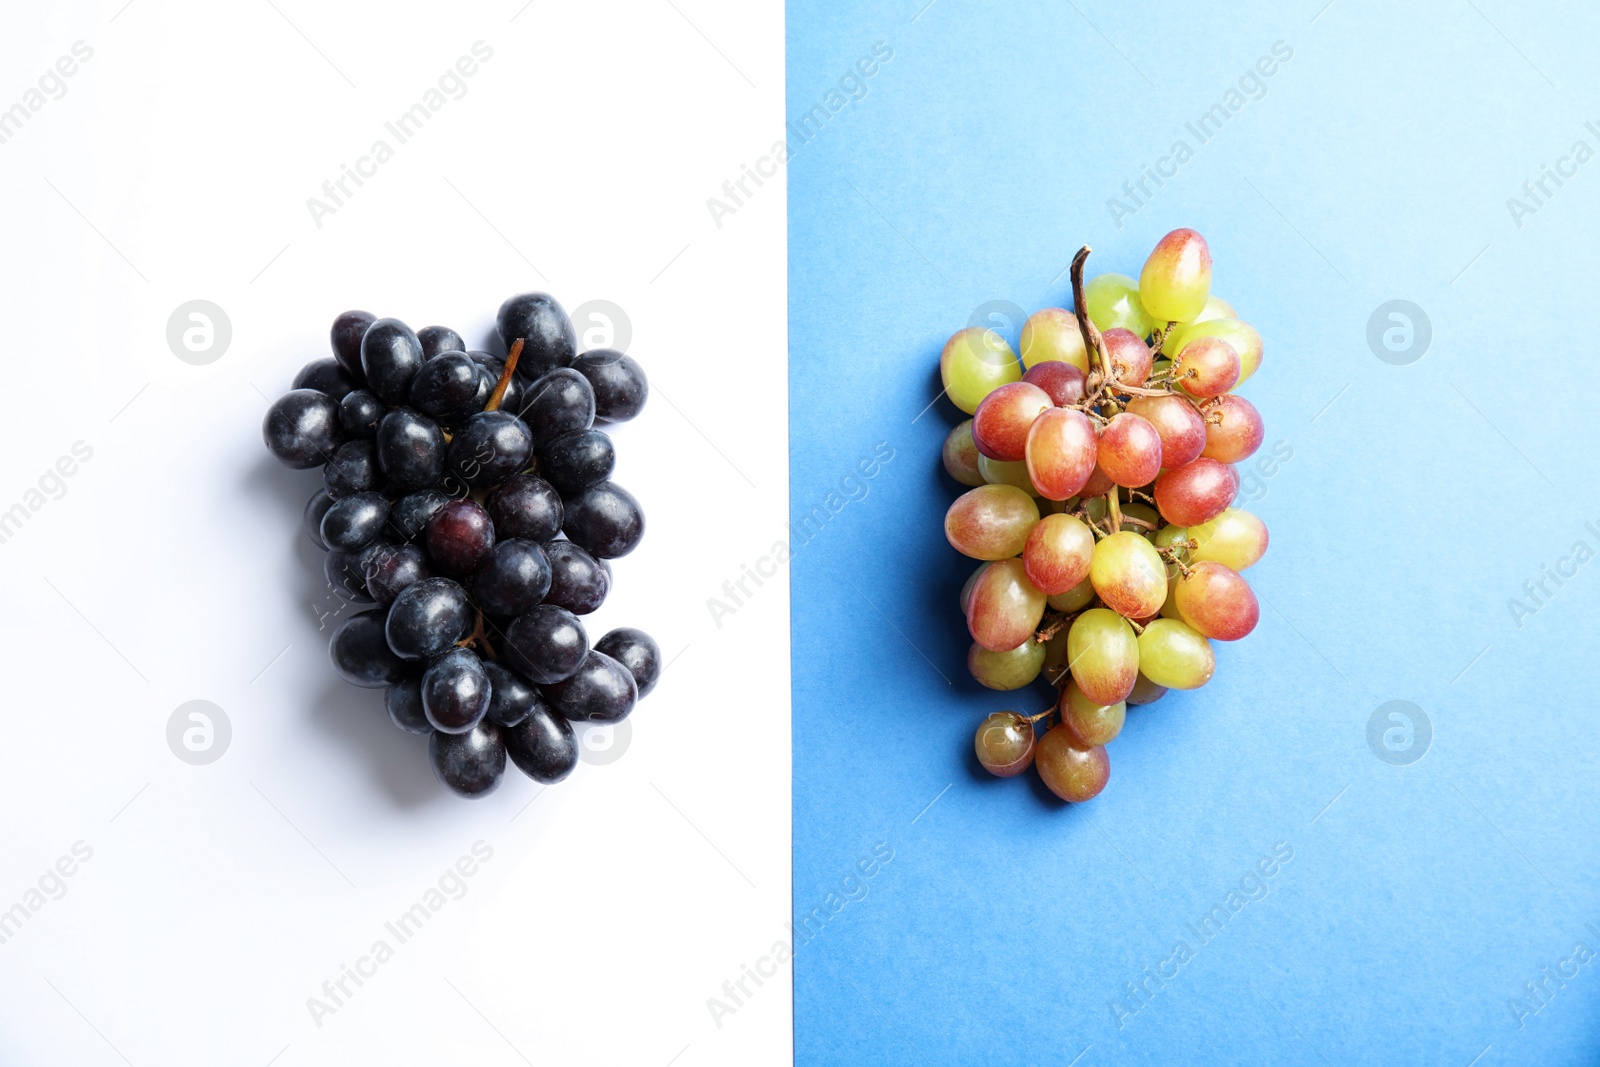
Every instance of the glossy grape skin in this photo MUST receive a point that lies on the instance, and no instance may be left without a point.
(348, 329)
(1216, 602)
(1000, 427)
(325, 376)
(1129, 451)
(488, 448)
(445, 387)
(1145, 692)
(604, 520)
(1063, 383)
(1004, 744)
(960, 455)
(548, 339)
(600, 690)
(991, 521)
(316, 508)
(470, 764)
(360, 654)
(1004, 608)
(346, 573)
(409, 515)
(1113, 303)
(512, 579)
(455, 692)
(560, 402)
(1071, 771)
(1128, 575)
(1095, 490)
(1051, 335)
(403, 702)
(1057, 554)
(411, 449)
(354, 522)
(1236, 539)
(994, 472)
(1007, 670)
(1234, 429)
(619, 384)
(1176, 279)
(1182, 431)
(1090, 723)
(1174, 655)
(1206, 367)
(527, 507)
(575, 461)
(459, 536)
(428, 618)
(512, 698)
(301, 428)
(1244, 338)
(1196, 493)
(545, 645)
(638, 652)
(352, 469)
(1104, 655)
(391, 355)
(1078, 597)
(974, 363)
(392, 568)
(437, 340)
(1061, 452)
(578, 582)
(542, 746)
(359, 415)
(1130, 357)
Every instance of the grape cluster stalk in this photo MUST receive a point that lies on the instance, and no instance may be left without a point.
(467, 506)
(1101, 470)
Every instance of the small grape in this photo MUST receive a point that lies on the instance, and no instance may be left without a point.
(301, 428)
(540, 322)
(960, 455)
(1007, 670)
(1173, 655)
(1206, 367)
(448, 387)
(1234, 429)
(974, 363)
(488, 448)
(1052, 335)
(1130, 357)
(354, 522)
(1182, 431)
(410, 514)
(512, 579)
(1004, 744)
(542, 746)
(411, 449)
(1090, 723)
(325, 376)
(470, 764)
(1241, 335)
(348, 329)
(600, 690)
(560, 402)
(605, 520)
(359, 415)
(994, 472)
(459, 537)
(512, 698)
(638, 652)
(990, 522)
(1073, 772)
(352, 469)
(527, 507)
(1129, 450)
(619, 384)
(427, 618)
(392, 568)
(1145, 691)
(455, 692)
(1176, 279)
(1004, 608)
(1078, 597)
(361, 655)
(391, 356)
(575, 461)
(1063, 382)
(437, 340)
(546, 645)
(403, 702)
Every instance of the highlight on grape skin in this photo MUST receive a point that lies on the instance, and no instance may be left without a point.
(1176, 279)
(1216, 602)
(976, 362)
(991, 521)
(1060, 452)
(1004, 608)
(1000, 426)
(1234, 429)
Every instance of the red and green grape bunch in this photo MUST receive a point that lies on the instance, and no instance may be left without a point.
(1101, 469)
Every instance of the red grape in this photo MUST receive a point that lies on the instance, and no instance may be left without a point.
(1183, 433)
(961, 455)
(1216, 602)
(1060, 452)
(1058, 553)
(1004, 608)
(1130, 450)
(1207, 366)
(1004, 744)
(1128, 575)
(1197, 492)
(1000, 426)
(991, 521)
(1234, 429)
(1073, 771)
(1130, 356)
(1090, 723)
(1064, 382)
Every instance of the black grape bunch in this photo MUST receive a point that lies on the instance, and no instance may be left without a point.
(467, 506)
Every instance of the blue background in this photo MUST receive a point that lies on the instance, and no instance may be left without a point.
(1418, 500)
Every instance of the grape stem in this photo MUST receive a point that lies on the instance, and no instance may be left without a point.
(1092, 340)
(1053, 626)
(1116, 511)
(1045, 714)
(504, 383)
(478, 637)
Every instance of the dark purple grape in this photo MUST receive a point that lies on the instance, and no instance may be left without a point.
(542, 746)
(578, 581)
(317, 507)
(393, 568)
(301, 428)
(512, 579)
(446, 386)
(459, 536)
(359, 414)
(605, 519)
(512, 697)
(455, 692)
(491, 366)
(439, 339)
(560, 402)
(488, 448)
(348, 330)
(620, 387)
(428, 618)
(352, 469)
(527, 507)
(346, 573)
(325, 376)
(411, 513)
(575, 461)
(541, 324)
(354, 522)
(361, 655)
(403, 702)
(470, 764)
(600, 690)
(391, 355)
(637, 651)
(411, 449)
(547, 644)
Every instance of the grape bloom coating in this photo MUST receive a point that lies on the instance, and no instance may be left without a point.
(1098, 474)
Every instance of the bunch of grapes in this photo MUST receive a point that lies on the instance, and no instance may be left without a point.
(1102, 474)
(449, 478)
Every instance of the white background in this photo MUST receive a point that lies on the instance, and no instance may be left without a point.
(219, 898)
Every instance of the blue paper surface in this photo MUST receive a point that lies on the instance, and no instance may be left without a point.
(1422, 912)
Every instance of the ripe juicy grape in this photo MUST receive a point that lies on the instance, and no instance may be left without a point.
(433, 507)
(1096, 482)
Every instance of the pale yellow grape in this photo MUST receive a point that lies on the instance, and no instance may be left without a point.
(1235, 539)
(1113, 302)
(1173, 655)
(1241, 335)
(1103, 655)
(975, 362)
(999, 472)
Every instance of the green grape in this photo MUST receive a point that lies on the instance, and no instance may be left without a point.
(1241, 335)
(1103, 654)
(1145, 691)
(974, 363)
(1235, 539)
(1004, 744)
(991, 521)
(961, 455)
(1055, 658)
(1113, 303)
(1128, 576)
(1052, 335)
(1176, 279)
(1172, 654)
(999, 472)
(1144, 513)
(1090, 723)
(1012, 669)
(1079, 596)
